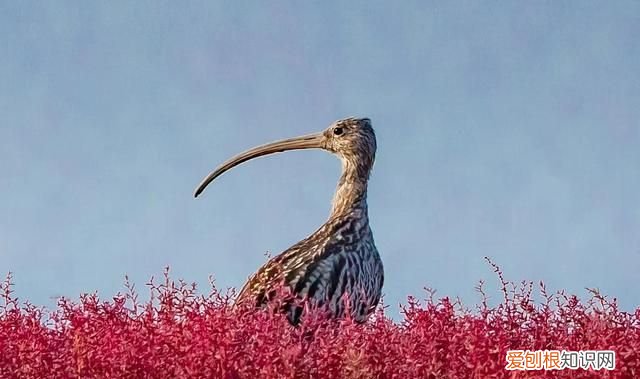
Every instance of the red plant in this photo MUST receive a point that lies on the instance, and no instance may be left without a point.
(179, 334)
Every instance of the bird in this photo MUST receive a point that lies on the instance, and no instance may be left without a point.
(337, 267)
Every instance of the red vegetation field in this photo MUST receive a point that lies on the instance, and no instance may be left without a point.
(179, 334)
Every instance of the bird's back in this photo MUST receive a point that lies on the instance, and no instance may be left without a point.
(336, 267)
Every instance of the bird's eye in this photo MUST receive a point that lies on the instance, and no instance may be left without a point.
(338, 131)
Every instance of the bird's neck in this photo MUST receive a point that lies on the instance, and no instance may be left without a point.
(351, 194)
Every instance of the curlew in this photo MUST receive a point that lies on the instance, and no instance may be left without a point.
(338, 266)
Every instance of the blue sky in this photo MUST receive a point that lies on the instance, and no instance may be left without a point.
(505, 129)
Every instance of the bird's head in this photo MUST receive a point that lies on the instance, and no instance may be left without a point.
(352, 139)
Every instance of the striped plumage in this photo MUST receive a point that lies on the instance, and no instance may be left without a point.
(339, 262)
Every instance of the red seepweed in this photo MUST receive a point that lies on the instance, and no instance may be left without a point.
(180, 334)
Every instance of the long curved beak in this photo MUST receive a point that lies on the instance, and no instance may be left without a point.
(310, 141)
